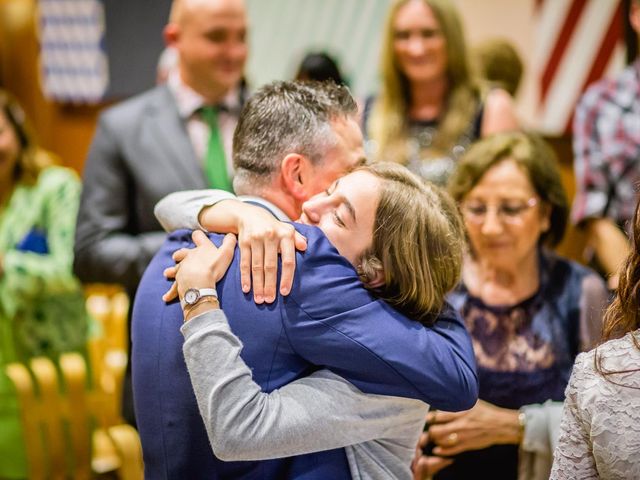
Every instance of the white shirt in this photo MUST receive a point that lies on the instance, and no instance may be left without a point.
(189, 102)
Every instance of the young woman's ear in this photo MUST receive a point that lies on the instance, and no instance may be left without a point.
(371, 272)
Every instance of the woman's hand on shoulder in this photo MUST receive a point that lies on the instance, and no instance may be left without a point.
(199, 267)
(261, 238)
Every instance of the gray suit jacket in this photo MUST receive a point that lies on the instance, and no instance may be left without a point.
(141, 152)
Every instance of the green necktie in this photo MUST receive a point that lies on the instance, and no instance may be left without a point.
(215, 165)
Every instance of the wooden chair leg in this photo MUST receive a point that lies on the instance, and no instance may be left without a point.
(74, 372)
(127, 442)
(46, 377)
(105, 457)
(58, 424)
(29, 408)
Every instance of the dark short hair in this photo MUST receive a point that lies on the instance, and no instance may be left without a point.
(31, 158)
(533, 154)
(283, 118)
(500, 64)
(321, 67)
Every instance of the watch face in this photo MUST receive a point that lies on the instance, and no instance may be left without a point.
(191, 295)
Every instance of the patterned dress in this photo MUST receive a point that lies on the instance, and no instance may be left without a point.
(525, 351)
(600, 428)
(423, 160)
(41, 302)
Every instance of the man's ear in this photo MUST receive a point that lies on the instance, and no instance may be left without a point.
(634, 16)
(295, 170)
(170, 34)
(371, 272)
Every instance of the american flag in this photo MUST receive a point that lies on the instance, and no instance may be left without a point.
(576, 43)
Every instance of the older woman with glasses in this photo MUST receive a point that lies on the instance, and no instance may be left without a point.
(529, 312)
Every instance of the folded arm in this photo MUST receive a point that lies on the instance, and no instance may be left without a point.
(333, 321)
(319, 412)
(595, 150)
(182, 209)
(261, 237)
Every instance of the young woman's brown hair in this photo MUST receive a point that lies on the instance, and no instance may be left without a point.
(623, 315)
(418, 241)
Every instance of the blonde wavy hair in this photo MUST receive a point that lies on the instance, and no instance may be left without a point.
(418, 240)
(31, 158)
(388, 125)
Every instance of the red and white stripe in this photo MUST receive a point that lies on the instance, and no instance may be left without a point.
(576, 43)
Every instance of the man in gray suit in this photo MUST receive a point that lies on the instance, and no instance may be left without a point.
(159, 142)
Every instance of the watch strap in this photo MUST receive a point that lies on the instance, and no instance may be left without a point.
(208, 292)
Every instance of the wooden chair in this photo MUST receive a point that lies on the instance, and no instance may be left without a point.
(109, 306)
(63, 423)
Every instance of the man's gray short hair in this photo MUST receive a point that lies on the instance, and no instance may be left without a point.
(283, 118)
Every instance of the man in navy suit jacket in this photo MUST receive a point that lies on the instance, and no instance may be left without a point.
(291, 141)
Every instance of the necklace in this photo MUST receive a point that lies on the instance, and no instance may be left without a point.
(426, 162)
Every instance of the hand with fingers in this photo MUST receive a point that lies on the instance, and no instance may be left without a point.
(199, 267)
(261, 238)
(480, 427)
(425, 466)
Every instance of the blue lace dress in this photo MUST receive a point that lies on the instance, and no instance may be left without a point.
(525, 351)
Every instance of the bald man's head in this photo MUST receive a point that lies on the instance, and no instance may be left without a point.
(210, 38)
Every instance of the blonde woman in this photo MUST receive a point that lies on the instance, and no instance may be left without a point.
(430, 108)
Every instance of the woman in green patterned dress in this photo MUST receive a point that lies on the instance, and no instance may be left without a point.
(41, 302)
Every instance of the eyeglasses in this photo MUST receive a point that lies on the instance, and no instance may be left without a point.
(509, 211)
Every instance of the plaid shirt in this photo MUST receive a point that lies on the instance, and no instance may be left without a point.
(606, 146)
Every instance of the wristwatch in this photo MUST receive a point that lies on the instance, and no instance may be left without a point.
(193, 296)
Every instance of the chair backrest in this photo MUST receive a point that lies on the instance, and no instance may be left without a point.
(60, 417)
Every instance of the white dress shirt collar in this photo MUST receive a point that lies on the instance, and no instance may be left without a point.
(189, 101)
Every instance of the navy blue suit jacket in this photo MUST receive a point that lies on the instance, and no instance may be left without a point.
(329, 320)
